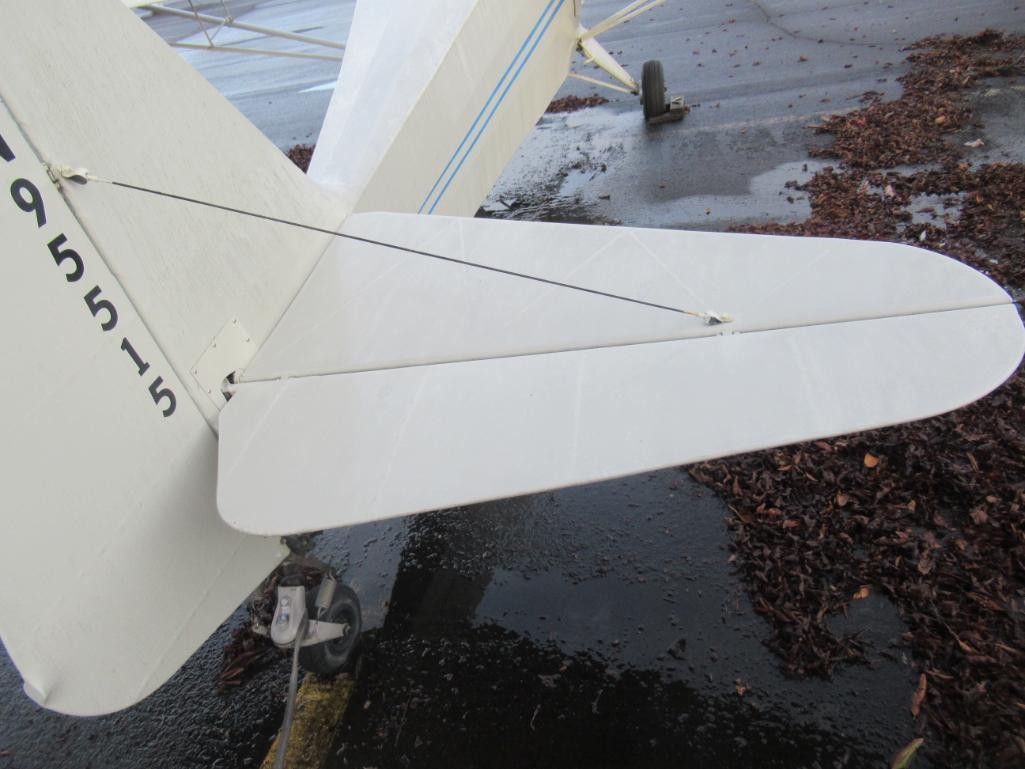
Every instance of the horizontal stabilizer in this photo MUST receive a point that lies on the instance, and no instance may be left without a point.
(400, 383)
(370, 307)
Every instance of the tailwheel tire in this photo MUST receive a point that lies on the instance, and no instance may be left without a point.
(338, 655)
(653, 90)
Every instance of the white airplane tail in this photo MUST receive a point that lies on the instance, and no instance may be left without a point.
(470, 359)
(128, 310)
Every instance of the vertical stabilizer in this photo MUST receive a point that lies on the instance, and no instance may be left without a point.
(94, 87)
(115, 566)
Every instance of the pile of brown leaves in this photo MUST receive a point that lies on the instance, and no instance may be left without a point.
(930, 514)
(574, 103)
(986, 227)
(914, 128)
(843, 205)
(301, 154)
(989, 229)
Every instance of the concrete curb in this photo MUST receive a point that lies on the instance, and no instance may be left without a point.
(319, 707)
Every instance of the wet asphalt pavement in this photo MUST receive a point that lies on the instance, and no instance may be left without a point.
(595, 626)
(601, 626)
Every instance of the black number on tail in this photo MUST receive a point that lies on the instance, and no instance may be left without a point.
(5, 151)
(63, 255)
(160, 393)
(136, 358)
(95, 306)
(34, 203)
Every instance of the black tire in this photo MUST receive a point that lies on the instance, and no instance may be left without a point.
(333, 657)
(653, 89)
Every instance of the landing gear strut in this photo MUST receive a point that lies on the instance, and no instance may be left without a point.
(326, 623)
(321, 627)
(652, 88)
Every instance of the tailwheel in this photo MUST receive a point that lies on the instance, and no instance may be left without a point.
(653, 90)
(336, 604)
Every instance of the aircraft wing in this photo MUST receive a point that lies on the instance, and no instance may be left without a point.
(433, 99)
(399, 383)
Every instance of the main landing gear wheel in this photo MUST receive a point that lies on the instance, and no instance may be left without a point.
(332, 657)
(653, 90)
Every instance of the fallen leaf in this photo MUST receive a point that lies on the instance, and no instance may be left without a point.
(871, 460)
(919, 695)
(862, 593)
(925, 564)
(964, 647)
(903, 759)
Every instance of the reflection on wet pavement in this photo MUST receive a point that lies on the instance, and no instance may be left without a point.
(602, 626)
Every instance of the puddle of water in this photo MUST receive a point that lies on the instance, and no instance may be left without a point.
(931, 209)
(574, 167)
(767, 199)
(597, 626)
